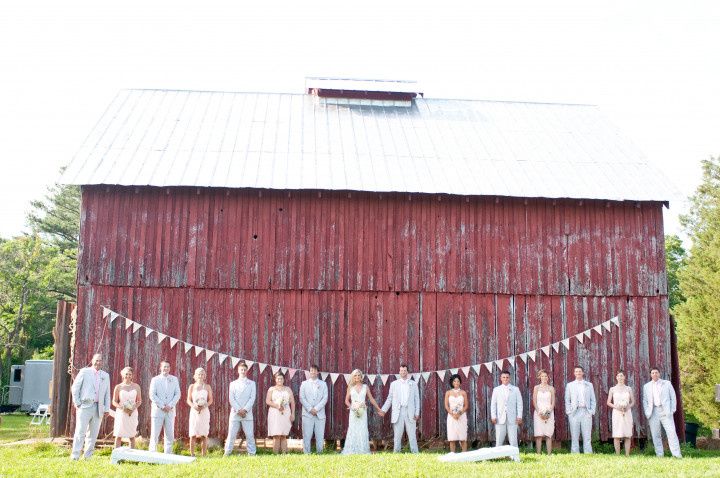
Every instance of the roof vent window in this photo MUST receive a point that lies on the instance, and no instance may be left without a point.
(343, 91)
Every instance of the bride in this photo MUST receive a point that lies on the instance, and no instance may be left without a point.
(357, 440)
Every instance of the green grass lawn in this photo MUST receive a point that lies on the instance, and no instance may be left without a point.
(17, 427)
(50, 460)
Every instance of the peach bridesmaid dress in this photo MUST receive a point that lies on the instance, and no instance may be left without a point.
(126, 425)
(199, 421)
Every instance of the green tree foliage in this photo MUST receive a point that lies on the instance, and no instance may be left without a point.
(698, 318)
(33, 275)
(37, 270)
(675, 258)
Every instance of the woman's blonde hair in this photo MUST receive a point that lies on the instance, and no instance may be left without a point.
(125, 370)
(357, 371)
(542, 371)
(199, 370)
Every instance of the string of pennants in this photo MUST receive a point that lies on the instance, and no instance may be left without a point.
(531, 355)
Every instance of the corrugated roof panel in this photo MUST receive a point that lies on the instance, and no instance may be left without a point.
(288, 141)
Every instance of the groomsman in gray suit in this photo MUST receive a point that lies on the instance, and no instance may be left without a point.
(91, 397)
(242, 398)
(164, 395)
(580, 408)
(313, 397)
(506, 410)
(404, 398)
(659, 405)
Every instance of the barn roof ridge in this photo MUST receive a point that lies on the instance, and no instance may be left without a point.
(296, 141)
(425, 98)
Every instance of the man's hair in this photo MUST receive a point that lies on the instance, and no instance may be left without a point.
(314, 367)
(243, 364)
(504, 372)
(580, 367)
(164, 361)
(654, 368)
(405, 366)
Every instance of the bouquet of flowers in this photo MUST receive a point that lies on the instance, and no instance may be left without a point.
(545, 414)
(201, 402)
(358, 408)
(281, 402)
(128, 406)
(456, 410)
(622, 405)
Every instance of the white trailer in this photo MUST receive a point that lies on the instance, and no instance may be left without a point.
(30, 384)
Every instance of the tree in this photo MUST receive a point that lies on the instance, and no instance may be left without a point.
(33, 275)
(675, 259)
(698, 318)
(57, 217)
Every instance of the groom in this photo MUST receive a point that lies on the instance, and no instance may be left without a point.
(405, 401)
(164, 395)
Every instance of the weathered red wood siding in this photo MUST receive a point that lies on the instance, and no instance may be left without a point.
(369, 280)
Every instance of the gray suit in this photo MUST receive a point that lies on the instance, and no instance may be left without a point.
(313, 394)
(403, 415)
(242, 397)
(164, 391)
(580, 408)
(91, 397)
(661, 416)
(506, 425)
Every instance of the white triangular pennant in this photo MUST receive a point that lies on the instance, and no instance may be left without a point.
(148, 331)
(384, 378)
(466, 371)
(453, 371)
(606, 324)
(579, 337)
(249, 364)
(556, 347)
(511, 361)
(307, 374)
(283, 370)
(221, 358)
(371, 378)
(476, 367)
(208, 354)
(198, 350)
(426, 376)
(291, 373)
(616, 321)
(334, 377)
(488, 366)
(347, 377)
(275, 369)
(587, 333)
(598, 329)
(546, 350)
(531, 354)
(187, 346)
(161, 337)
(416, 377)
(499, 363)
(566, 343)
(105, 312)
(324, 375)
(173, 341)
(128, 323)
(113, 316)
(136, 327)
(523, 357)
(441, 374)
(234, 361)
(261, 366)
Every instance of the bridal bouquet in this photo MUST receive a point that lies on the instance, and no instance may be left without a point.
(545, 414)
(456, 410)
(622, 406)
(358, 408)
(281, 402)
(201, 402)
(128, 406)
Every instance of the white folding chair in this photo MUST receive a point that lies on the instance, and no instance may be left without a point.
(41, 414)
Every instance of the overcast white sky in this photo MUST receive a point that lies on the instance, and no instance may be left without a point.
(652, 66)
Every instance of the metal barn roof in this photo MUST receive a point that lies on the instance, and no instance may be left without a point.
(297, 141)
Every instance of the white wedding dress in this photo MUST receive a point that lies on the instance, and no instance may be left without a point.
(357, 440)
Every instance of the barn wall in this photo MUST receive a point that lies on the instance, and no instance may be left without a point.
(367, 282)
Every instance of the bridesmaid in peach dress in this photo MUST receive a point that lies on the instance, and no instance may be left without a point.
(544, 415)
(456, 406)
(281, 413)
(621, 400)
(199, 398)
(126, 400)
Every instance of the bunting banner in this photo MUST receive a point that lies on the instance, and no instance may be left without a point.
(425, 375)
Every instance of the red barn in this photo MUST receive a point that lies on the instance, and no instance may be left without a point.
(361, 225)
